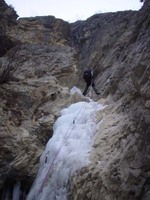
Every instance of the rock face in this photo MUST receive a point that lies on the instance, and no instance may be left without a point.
(32, 91)
(41, 58)
(116, 45)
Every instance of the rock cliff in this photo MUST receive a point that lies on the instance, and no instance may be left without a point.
(41, 59)
(117, 45)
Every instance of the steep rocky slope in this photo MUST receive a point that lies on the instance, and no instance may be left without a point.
(33, 70)
(117, 46)
(41, 59)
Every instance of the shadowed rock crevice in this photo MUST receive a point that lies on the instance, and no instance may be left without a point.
(8, 18)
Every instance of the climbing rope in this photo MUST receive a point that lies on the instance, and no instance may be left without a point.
(67, 134)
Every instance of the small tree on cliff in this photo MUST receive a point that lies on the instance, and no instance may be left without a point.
(12, 64)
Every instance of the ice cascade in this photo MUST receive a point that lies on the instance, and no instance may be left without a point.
(67, 151)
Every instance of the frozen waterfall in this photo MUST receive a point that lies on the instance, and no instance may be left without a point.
(67, 151)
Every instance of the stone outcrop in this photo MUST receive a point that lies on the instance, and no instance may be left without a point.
(32, 92)
(116, 45)
(41, 58)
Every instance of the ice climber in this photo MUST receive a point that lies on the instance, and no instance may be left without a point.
(88, 76)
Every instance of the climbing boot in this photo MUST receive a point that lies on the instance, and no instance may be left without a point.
(85, 91)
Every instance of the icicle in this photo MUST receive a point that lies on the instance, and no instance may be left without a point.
(16, 191)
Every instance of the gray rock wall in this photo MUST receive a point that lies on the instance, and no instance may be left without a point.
(116, 46)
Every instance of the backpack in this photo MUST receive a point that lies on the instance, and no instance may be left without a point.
(88, 75)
